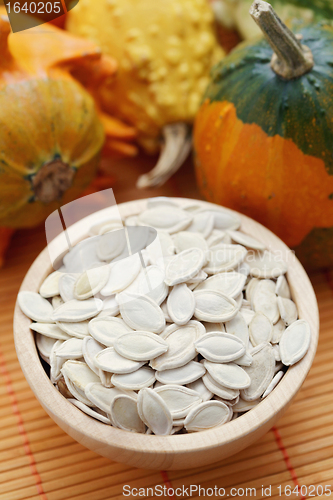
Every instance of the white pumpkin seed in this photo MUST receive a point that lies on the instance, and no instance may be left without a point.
(200, 387)
(110, 307)
(151, 283)
(224, 257)
(77, 376)
(245, 360)
(184, 266)
(214, 307)
(260, 329)
(250, 287)
(66, 285)
(207, 415)
(278, 330)
(161, 201)
(141, 312)
(140, 346)
(264, 300)
(288, 310)
(181, 304)
(140, 379)
(217, 236)
(154, 412)
(50, 286)
(229, 375)
(238, 326)
(180, 340)
(266, 265)
(124, 414)
(105, 378)
(295, 342)
(70, 349)
(56, 363)
(91, 282)
(82, 256)
(122, 274)
(246, 240)
(49, 330)
(102, 397)
(202, 222)
(182, 375)
(260, 372)
(247, 314)
(276, 379)
(78, 330)
(96, 229)
(90, 411)
(107, 329)
(170, 219)
(45, 344)
(35, 307)
(229, 283)
(74, 310)
(185, 240)
(282, 288)
(242, 405)
(220, 347)
(198, 278)
(223, 218)
(110, 361)
(218, 389)
(111, 244)
(180, 400)
(89, 350)
(213, 327)
(57, 301)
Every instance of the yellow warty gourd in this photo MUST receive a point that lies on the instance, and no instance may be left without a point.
(165, 50)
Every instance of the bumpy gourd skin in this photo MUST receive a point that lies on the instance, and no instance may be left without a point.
(165, 50)
(264, 144)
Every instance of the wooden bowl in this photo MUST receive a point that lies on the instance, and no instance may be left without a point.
(179, 451)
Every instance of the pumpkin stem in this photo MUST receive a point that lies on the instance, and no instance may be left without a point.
(177, 145)
(291, 59)
(52, 180)
(5, 30)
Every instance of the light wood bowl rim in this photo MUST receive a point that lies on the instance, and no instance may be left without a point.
(63, 411)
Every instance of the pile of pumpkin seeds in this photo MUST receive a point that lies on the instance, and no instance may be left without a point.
(185, 334)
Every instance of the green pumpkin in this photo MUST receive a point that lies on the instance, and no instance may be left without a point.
(264, 139)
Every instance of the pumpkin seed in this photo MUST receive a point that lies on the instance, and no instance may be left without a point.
(90, 411)
(295, 342)
(185, 240)
(264, 300)
(200, 387)
(245, 360)
(266, 265)
(276, 379)
(184, 266)
(102, 397)
(229, 375)
(140, 346)
(105, 378)
(246, 240)
(220, 347)
(282, 288)
(288, 310)
(242, 405)
(202, 222)
(50, 286)
(56, 301)
(140, 379)
(260, 372)
(278, 330)
(213, 306)
(154, 412)
(110, 307)
(66, 285)
(182, 375)
(250, 288)
(223, 218)
(111, 244)
(260, 329)
(180, 340)
(124, 414)
(110, 361)
(77, 376)
(181, 304)
(35, 307)
(224, 257)
(238, 326)
(159, 201)
(79, 330)
(207, 415)
(82, 256)
(170, 219)
(141, 312)
(45, 345)
(229, 283)
(151, 283)
(96, 229)
(107, 329)
(213, 327)
(70, 349)
(77, 310)
(91, 282)
(180, 400)
(217, 236)
(89, 350)
(122, 274)
(56, 363)
(218, 389)
(49, 330)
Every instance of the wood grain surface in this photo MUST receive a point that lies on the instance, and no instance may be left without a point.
(39, 461)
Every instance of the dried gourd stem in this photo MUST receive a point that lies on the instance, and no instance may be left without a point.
(177, 145)
(291, 59)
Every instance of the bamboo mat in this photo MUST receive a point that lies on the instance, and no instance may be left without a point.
(38, 461)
